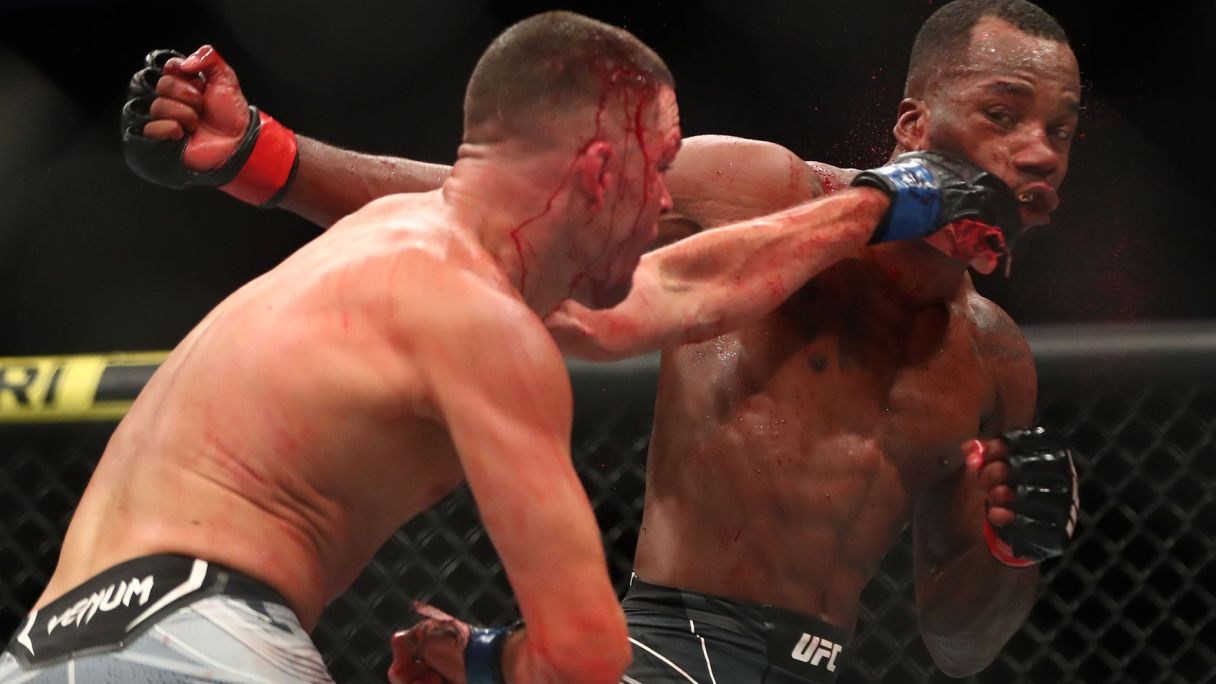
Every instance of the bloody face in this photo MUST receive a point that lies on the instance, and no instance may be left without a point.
(1010, 106)
(628, 219)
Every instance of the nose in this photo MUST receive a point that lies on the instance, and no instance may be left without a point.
(1037, 156)
(665, 201)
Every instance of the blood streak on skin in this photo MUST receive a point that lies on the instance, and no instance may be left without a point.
(646, 93)
(611, 84)
(515, 232)
(829, 183)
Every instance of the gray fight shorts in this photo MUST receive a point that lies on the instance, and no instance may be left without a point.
(165, 619)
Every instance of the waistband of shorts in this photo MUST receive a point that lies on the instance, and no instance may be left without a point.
(135, 593)
(741, 617)
(218, 579)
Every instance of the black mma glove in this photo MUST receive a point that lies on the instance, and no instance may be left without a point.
(1044, 480)
(929, 190)
(259, 171)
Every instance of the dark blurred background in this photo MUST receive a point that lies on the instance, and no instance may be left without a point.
(93, 259)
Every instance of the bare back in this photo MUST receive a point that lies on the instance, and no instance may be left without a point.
(292, 431)
(787, 456)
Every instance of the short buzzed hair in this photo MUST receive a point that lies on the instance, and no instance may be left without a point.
(556, 62)
(946, 34)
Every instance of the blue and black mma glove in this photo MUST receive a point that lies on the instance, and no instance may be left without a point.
(259, 172)
(483, 654)
(1046, 502)
(929, 190)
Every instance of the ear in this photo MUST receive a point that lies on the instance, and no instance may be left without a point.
(912, 127)
(594, 176)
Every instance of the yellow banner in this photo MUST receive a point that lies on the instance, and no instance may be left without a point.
(73, 388)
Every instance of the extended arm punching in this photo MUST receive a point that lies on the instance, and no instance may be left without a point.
(721, 279)
(690, 291)
(718, 280)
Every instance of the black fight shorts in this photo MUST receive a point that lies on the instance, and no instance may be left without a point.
(681, 636)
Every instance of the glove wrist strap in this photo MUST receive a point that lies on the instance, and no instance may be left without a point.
(915, 200)
(1001, 550)
(264, 178)
(483, 654)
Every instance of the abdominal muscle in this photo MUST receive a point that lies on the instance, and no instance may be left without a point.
(753, 498)
(769, 531)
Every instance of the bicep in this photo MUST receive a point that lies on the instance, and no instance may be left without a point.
(947, 520)
(1010, 365)
(716, 180)
(507, 407)
(1019, 391)
(948, 516)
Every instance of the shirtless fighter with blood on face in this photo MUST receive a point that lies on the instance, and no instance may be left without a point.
(325, 403)
(787, 455)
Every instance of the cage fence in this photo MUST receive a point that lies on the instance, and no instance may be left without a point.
(1132, 600)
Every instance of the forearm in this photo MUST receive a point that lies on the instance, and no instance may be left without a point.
(546, 535)
(331, 182)
(575, 629)
(971, 606)
(527, 662)
(721, 279)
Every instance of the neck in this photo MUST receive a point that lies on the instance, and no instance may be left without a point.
(512, 212)
(918, 274)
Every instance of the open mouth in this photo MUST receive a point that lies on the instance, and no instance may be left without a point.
(1039, 198)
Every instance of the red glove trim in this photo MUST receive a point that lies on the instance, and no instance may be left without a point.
(1002, 551)
(269, 165)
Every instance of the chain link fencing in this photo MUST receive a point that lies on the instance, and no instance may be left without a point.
(1132, 600)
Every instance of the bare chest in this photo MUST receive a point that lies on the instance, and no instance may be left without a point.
(803, 379)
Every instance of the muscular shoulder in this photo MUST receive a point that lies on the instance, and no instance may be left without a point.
(464, 311)
(446, 298)
(832, 178)
(1001, 346)
(719, 179)
(996, 328)
(461, 331)
(483, 349)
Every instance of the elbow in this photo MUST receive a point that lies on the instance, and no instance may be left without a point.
(956, 669)
(712, 316)
(601, 353)
(578, 339)
(711, 328)
(596, 353)
(957, 658)
(592, 651)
